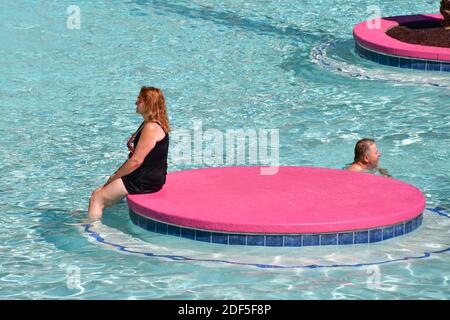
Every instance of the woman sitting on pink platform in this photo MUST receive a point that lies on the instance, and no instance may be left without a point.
(146, 168)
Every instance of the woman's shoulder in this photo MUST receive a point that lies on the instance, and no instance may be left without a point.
(152, 124)
(155, 129)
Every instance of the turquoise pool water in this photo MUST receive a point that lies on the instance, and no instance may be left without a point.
(67, 103)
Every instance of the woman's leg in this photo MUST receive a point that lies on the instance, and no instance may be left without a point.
(104, 197)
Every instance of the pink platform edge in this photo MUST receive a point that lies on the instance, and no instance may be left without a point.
(296, 200)
(377, 39)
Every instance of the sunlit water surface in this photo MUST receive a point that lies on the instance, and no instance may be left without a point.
(67, 103)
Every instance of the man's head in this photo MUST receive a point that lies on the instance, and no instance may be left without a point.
(366, 152)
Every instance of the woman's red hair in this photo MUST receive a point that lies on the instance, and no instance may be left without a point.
(155, 107)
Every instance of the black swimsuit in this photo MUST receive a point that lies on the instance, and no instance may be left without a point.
(151, 175)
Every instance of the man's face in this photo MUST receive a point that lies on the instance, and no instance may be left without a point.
(373, 156)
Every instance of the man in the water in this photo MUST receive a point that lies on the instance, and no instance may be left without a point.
(367, 158)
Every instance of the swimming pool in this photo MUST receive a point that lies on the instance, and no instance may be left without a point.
(67, 99)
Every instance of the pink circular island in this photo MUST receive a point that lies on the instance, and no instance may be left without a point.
(297, 206)
(373, 43)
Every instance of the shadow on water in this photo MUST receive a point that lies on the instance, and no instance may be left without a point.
(232, 20)
(320, 258)
(304, 63)
(68, 233)
(62, 227)
(57, 227)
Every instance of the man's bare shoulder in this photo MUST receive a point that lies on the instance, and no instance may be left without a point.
(354, 167)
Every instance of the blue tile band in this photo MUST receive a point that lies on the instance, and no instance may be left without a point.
(402, 62)
(277, 240)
